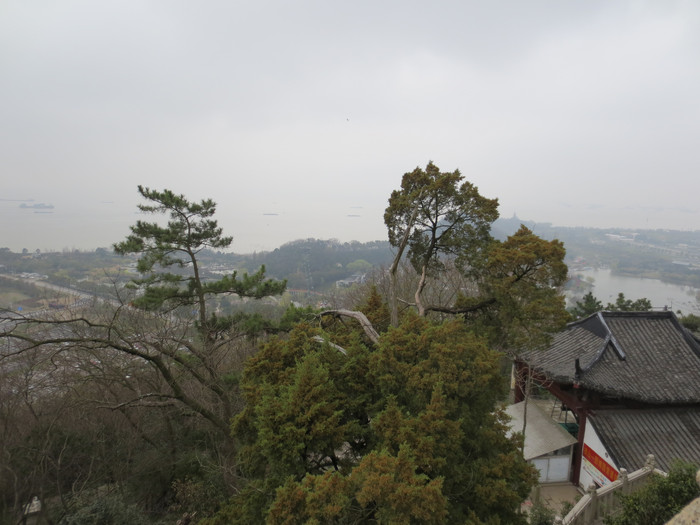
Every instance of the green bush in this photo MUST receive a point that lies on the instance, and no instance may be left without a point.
(660, 500)
(541, 515)
(691, 322)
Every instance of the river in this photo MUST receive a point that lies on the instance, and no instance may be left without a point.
(606, 286)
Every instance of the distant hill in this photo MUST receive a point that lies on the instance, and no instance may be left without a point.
(315, 264)
(670, 255)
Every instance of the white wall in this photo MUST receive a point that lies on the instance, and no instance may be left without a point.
(591, 439)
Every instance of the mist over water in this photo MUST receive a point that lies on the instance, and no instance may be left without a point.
(82, 226)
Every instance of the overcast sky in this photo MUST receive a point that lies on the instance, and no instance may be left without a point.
(570, 112)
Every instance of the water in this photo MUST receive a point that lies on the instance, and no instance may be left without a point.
(606, 286)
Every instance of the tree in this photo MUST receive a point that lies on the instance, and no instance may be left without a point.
(56, 444)
(443, 223)
(177, 245)
(189, 231)
(407, 430)
(108, 508)
(163, 349)
(359, 265)
(435, 214)
(384, 422)
(519, 302)
(623, 304)
(588, 305)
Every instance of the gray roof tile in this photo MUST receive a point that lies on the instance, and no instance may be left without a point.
(643, 356)
(630, 435)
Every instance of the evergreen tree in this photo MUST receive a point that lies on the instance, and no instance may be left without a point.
(173, 278)
(622, 304)
(509, 291)
(176, 245)
(407, 431)
(588, 305)
(437, 214)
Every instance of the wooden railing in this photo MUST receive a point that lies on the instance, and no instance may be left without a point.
(597, 503)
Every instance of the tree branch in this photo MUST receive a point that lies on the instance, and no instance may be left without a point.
(463, 310)
(321, 340)
(359, 317)
(395, 263)
(140, 398)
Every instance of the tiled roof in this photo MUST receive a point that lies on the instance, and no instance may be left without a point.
(643, 356)
(630, 435)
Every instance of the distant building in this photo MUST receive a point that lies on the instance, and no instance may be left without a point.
(356, 278)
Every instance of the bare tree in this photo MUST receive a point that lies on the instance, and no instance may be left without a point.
(158, 357)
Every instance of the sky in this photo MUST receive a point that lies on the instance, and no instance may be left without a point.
(299, 118)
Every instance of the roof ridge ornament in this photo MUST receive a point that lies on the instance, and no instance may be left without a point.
(611, 339)
(608, 341)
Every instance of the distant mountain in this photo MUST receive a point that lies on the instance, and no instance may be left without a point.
(317, 264)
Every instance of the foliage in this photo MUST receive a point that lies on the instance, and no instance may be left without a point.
(110, 509)
(403, 432)
(190, 230)
(660, 500)
(653, 254)
(453, 218)
(540, 514)
(162, 370)
(520, 300)
(508, 291)
(588, 305)
(567, 506)
(315, 264)
(691, 322)
(359, 265)
(436, 215)
(197, 496)
(623, 304)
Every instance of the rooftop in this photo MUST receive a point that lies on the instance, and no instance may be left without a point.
(668, 433)
(643, 356)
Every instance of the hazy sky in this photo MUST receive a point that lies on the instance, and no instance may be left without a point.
(570, 112)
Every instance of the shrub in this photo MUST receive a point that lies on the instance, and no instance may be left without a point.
(659, 500)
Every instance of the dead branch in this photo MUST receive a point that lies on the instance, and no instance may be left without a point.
(465, 310)
(321, 340)
(359, 317)
(138, 401)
